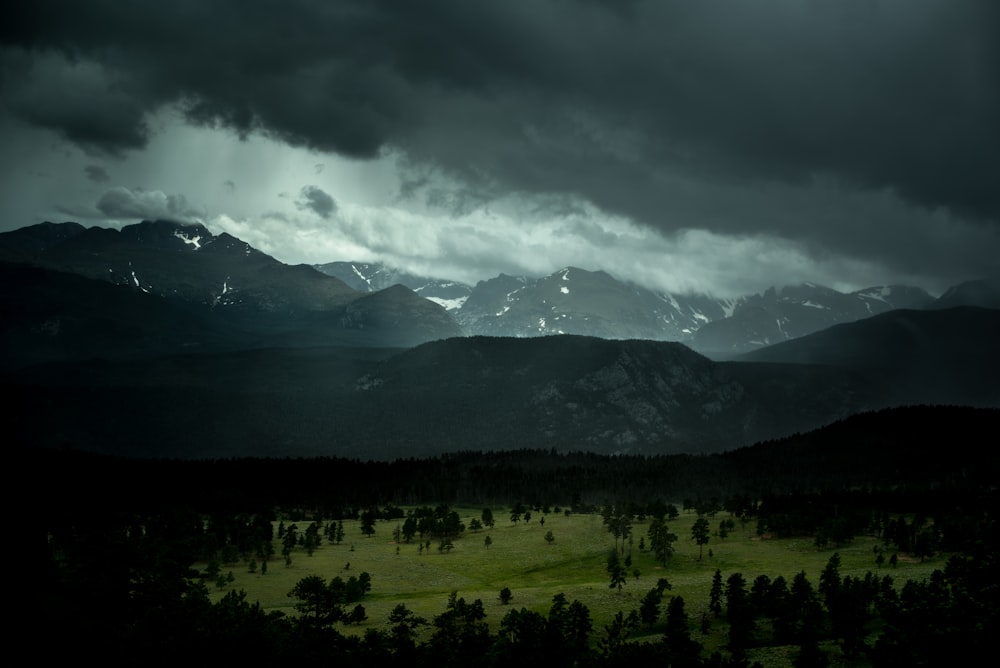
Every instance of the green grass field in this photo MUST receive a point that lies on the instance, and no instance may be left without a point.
(535, 571)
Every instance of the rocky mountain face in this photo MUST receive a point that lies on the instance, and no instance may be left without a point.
(569, 301)
(234, 290)
(588, 303)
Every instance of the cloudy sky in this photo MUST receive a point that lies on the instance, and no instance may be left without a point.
(715, 146)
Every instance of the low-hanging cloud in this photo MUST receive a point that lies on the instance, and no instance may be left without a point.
(125, 204)
(315, 199)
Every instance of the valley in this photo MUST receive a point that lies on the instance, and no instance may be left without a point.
(191, 400)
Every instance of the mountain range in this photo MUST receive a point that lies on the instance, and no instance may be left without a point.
(593, 303)
(165, 340)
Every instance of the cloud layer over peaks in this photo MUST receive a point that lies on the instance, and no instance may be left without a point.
(865, 131)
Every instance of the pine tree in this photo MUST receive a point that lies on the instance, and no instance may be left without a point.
(715, 594)
(616, 571)
(699, 533)
(681, 649)
(649, 607)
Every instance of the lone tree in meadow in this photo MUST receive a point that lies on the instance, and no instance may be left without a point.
(506, 595)
(368, 518)
(661, 541)
(699, 533)
(618, 522)
(616, 571)
(549, 537)
(356, 616)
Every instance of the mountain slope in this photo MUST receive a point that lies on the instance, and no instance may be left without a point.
(565, 392)
(187, 263)
(794, 311)
(937, 356)
(50, 316)
(370, 277)
(984, 293)
(226, 281)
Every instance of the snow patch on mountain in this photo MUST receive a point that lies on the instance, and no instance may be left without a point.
(366, 279)
(728, 307)
(190, 241)
(879, 294)
(449, 304)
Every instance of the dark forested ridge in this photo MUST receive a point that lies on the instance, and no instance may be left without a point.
(888, 449)
(478, 393)
(909, 356)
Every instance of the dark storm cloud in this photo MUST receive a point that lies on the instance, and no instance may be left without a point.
(678, 115)
(316, 200)
(96, 173)
(82, 101)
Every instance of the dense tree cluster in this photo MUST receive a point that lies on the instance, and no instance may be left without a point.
(947, 620)
(322, 603)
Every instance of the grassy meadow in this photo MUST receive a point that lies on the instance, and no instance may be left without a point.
(574, 563)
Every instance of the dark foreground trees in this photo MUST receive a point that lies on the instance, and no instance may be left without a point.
(156, 608)
(322, 603)
(117, 584)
